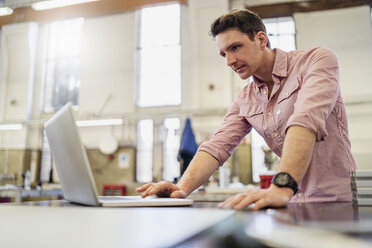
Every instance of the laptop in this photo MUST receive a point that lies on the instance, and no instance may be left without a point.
(75, 173)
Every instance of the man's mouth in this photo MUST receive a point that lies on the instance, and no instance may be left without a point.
(239, 69)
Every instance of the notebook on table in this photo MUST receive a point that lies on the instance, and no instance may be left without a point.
(75, 173)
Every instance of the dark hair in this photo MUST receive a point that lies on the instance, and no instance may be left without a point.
(245, 21)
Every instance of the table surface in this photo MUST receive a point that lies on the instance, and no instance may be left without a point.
(63, 224)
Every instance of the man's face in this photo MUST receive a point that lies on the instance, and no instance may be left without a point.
(243, 55)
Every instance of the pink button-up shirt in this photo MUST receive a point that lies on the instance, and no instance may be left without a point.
(306, 93)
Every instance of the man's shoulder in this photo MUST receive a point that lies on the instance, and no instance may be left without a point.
(311, 56)
(311, 52)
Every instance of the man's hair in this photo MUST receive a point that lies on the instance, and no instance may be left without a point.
(245, 21)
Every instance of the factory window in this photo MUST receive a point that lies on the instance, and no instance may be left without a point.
(159, 56)
(281, 33)
(145, 139)
(166, 133)
(171, 143)
(46, 161)
(62, 65)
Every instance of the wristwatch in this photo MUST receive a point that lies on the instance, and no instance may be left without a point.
(283, 179)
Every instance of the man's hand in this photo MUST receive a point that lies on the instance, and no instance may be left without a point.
(259, 198)
(161, 189)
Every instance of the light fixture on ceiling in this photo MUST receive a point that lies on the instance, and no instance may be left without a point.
(95, 123)
(51, 4)
(4, 11)
(7, 127)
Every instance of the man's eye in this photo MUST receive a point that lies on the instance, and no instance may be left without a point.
(234, 48)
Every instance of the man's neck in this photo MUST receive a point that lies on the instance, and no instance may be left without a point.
(265, 73)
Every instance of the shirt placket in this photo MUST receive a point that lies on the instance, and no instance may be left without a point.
(270, 116)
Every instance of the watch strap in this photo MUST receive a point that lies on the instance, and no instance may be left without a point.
(292, 184)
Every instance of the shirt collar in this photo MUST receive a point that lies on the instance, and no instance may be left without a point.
(280, 68)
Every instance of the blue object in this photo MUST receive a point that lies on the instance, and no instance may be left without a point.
(188, 143)
(188, 147)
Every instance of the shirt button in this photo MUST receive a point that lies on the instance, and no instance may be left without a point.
(269, 114)
(299, 195)
(275, 134)
(264, 92)
(278, 112)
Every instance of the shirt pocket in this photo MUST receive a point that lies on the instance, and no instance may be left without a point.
(289, 90)
(285, 106)
(254, 115)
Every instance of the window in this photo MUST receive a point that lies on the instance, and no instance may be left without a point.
(145, 139)
(168, 133)
(281, 32)
(158, 84)
(159, 56)
(46, 161)
(171, 144)
(62, 66)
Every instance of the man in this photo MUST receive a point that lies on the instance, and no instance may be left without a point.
(294, 102)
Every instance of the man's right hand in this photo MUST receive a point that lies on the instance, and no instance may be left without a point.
(161, 189)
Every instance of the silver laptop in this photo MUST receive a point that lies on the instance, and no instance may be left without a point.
(75, 173)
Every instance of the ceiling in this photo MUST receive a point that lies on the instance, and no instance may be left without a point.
(24, 13)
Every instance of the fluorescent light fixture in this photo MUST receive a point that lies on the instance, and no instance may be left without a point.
(51, 4)
(4, 11)
(6, 127)
(95, 123)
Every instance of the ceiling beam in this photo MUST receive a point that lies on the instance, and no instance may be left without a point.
(288, 9)
(86, 10)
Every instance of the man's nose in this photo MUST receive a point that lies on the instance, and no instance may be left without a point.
(230, 60)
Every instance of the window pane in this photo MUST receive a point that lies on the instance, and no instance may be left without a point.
(63, 77)
(286, 42)
(145, 138)
(286, 27)
(159, 56)
(46, 160)
(160, 26)
(65, 38)
(171, 144)
(281, 32)
(160, 79)
(62, 74)
(271, 28)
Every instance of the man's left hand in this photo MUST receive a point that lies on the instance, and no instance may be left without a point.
(256, 199)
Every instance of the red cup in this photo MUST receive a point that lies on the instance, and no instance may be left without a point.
(265, 181)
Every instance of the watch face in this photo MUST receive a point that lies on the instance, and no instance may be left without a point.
(282, 179)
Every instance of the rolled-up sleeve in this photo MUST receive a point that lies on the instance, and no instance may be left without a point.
(233, 129)
(318, 94)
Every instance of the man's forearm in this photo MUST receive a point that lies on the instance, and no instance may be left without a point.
(198, 172)
(297, 152)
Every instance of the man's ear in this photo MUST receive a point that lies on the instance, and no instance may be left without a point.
(262, 37)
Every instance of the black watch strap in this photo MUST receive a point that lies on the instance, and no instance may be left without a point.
(284, 179)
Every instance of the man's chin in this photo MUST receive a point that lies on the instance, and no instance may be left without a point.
(244, 76)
